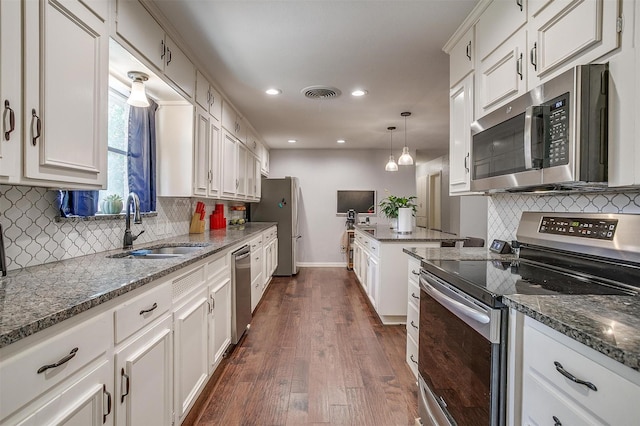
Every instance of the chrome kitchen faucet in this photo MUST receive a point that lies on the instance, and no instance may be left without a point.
(129, 238)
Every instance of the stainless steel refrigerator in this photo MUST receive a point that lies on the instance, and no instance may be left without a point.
(279, 203)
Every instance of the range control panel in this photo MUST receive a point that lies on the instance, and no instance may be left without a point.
(601, 229)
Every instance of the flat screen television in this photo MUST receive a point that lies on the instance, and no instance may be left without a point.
(363, 202)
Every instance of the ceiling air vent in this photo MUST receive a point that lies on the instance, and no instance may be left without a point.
(321, 92)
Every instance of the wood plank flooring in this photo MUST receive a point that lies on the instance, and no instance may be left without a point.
(316, 353)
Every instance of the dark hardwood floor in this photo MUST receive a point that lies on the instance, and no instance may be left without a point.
(316, 353)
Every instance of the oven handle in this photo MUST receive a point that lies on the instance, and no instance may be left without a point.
(453, 305)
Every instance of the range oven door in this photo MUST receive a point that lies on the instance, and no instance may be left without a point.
(460, 358)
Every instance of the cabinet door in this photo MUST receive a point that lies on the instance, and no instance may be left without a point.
(203, 94)
(85, 402)
(373, 279)
(220, 322)
(190, 351)
(214, 158)
(502, 76)
(179, 68)
(144, 373)
(202, 172)
(264, 160)
(461, 58)
(460, 119)
(141, 31)
(10, 93)
(258, 180)
(274, 257)
(229, 165)
(498, 23)
(552, 47)
(251, 176)
(66, 84)
(241, 182)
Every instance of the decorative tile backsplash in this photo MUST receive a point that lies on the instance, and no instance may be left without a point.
(33, 237)
(505, 209)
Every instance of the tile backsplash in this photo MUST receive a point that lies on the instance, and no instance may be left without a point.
(33, 237)
(505, 209)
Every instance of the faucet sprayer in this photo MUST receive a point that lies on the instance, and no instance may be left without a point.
(129, 238)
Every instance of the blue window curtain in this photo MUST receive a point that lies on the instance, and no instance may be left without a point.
(141, 154)
(78, 203)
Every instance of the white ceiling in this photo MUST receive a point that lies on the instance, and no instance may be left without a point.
(392, 49)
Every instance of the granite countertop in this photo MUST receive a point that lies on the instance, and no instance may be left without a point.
(384, 233)
(37, 297)
(608, 324)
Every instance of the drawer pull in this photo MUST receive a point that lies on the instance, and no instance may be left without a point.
(12, 120)
(573, 378)
(64, 360)
(414, 296)
(556, 421)
(413, 325)
(415, 273)
(413, 360)
(124, 392)
(108, 395)
(152, 308)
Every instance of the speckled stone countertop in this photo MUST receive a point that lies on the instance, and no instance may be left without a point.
(37, 297)
(384, 233)
(608, 324)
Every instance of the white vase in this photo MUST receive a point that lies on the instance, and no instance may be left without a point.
(393, 223)
(405, 215)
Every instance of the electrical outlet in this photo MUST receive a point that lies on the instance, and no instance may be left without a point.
(343, 249)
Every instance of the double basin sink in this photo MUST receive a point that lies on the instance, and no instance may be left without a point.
(159, 252)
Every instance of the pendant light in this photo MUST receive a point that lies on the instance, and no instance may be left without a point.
(391, 165)
(138, 96)
(405, 159)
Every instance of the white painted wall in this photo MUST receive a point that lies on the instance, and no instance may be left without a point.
(321, 174)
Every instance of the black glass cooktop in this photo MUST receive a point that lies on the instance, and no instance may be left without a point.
(487, 280)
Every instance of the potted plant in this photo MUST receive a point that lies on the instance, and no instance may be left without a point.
(112, 204)
(400, 209)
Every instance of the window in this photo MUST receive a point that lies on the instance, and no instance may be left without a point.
(117, 179)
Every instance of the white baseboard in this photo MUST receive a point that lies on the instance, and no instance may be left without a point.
(322, 264)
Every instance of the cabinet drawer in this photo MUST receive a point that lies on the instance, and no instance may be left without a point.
(218, 266)
(616, 398)
(413, 271)
(255, 244)
(413, 321)
(374, 248)
(73, 349)
(256, 265)
(414, 294)
(136, 313)
(412, 355)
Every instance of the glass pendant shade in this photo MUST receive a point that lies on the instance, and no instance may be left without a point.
(391, 165)
(405, 159)
(138, 97)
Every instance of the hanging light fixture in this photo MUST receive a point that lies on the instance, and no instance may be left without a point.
(405, 159)
(138, 96)
(391, 165)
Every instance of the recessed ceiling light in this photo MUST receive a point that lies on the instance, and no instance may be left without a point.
(292, 141)
(359, 93)
(273, 91)
(341, 141)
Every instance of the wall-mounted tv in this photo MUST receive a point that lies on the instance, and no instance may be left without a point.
(363, 202)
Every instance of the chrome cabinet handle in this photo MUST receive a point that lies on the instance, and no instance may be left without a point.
(124, 392)
(152, 308)
(466, 162)
(414, 296)
(556, 421)
(169, 57)
(469, 50)
(415, 273)
(519, 66)
(108, 395)
(412, 359)
(519, 3)
(12, 120)
(210, 175)
(532, 56)
(414, 326)
(163, 49)
(63, 360)
(35, 120)
(213, 99)
(213, 302)
(573, 378)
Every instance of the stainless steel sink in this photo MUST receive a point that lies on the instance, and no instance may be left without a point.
(161, 252)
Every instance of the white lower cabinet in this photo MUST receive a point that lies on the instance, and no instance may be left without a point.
(219, 319)
(373, 278)
(190, 343)
(144, 377)
(413, 314)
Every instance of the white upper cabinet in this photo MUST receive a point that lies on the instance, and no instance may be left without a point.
(264, 160)
(460, 119)
(462, 58)
(65, 94)
(10, 93)
(175, 146)
(207, 96)
(142, 32)
(229, 165)
(498, 22)
(233, 122)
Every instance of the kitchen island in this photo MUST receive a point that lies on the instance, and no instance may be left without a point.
(380, 265)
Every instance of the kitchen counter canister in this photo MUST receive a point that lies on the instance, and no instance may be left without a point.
(608, 324)
(384, 233)
(35, 298)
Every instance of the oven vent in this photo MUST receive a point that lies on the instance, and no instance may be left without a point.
(321, 92)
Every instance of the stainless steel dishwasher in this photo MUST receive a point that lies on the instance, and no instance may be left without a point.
(241, 293)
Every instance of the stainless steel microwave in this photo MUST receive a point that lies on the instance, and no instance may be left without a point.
(553, 137)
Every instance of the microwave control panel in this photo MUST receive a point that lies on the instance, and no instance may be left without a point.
(601, 229)
(558, 132)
